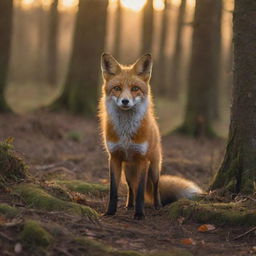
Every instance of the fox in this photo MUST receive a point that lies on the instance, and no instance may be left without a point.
(132, 138)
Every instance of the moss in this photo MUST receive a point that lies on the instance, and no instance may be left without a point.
(12, 168)
(75, 136)
(8, 211)
(84, 187)
(57, 191)
(94, 248)
(36, 197)
(215, 213)
(33, 234)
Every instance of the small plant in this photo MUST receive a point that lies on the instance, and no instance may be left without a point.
(12, 167)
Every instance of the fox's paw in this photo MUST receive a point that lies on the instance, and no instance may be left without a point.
(139, 216)
(109, 213)
(158, 206)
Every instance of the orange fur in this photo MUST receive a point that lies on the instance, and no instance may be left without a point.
(132, 139)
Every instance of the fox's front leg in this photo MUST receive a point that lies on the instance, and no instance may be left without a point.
(115, 167)
(142, 172)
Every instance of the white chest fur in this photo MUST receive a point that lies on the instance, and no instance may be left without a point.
(128, 148)
(126, 124)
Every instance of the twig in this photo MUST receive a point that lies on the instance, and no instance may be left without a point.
(245, 233)
(6, 237)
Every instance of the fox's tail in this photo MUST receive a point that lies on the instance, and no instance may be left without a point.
(173, 188)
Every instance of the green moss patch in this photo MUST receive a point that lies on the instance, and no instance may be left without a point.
(35, 197)
(33, 234)
(94, 248)
(12, 168)
(8, 211)
(215, 213)
(84, 187)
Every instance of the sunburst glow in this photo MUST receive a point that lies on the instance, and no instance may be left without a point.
(27, 2)
(158, 5)
(68, 3)
(135, 5)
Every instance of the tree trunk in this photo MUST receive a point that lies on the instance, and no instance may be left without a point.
(176, 62)
(217, 62)
(6, 12)
(238, 170)
(148, 27)
(202, 74)
(162, 61)
(53, 43)
(81, 87)
(118, 29)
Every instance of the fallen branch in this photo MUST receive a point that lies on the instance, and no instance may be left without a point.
(245, 233)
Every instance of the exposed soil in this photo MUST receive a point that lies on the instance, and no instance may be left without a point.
(58, 145)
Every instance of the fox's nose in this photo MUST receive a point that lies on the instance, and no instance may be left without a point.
(125, 102)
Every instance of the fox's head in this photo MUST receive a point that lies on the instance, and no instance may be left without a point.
(126, 86)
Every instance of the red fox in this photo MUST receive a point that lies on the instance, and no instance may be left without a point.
(132, 139)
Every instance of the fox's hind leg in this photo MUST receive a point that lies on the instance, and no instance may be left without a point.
(142, 166)
(130, 176)
(154, 175)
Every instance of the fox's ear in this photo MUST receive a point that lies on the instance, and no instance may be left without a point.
(109, 66)
(143, 66)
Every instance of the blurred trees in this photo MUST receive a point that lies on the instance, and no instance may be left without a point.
(161, 74)
(148, 26)
(6, 12)
(238, 171)
(82, 82)
(176, 61)
(118, 29)
(203, 74)
(52, 43)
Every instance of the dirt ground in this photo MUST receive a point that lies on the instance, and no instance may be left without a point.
(69, 147)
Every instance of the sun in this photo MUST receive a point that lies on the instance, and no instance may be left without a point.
(68, 3)
(135, 5)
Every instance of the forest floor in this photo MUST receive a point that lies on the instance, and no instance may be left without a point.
(58, 146)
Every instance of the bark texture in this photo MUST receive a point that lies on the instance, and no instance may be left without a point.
(202, 74)
(82, 83)
(6, 13)
(238, 170)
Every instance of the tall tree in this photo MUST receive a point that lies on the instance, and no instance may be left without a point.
(148, 26)
(81, 86)
(217, 62)
(162, 62)
(238, 170)
(176, 61)
(118, 29)
(202, 71)
(52, 43)
(6, 13)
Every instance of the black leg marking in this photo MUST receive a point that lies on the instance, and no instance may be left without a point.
(112, 204)
(139, 204)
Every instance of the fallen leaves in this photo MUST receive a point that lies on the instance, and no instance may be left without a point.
(206, 228)
(188, 241)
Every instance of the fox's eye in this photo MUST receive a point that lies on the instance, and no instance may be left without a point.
(117, 89)
(135, 88)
